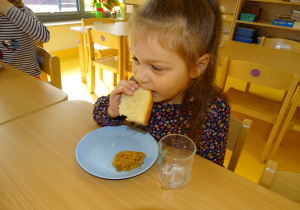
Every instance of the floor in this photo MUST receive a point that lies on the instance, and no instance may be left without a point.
(288, 155)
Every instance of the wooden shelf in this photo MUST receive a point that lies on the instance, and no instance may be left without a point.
(277, 2)
(270, 10)
(268, 24)
(227, 17)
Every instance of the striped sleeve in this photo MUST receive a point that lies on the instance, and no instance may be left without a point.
(27, 22)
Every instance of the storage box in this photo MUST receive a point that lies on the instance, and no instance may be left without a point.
(283, 23)
(247, 17)
(246, 30)
(243, 40)
(245, 36)
(253, 10)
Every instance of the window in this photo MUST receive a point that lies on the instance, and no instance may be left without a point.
(59, 10)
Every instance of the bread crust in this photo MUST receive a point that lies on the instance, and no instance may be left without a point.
(148, 110)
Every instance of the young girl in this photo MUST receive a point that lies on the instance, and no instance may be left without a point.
(174, 44)
(19, 32)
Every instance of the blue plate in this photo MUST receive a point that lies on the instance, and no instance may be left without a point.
(96, 150)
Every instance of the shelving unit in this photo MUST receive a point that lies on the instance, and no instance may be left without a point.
(270, 10)
(228, 16)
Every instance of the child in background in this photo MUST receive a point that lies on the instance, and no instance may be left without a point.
(19, 32)
(174, 44)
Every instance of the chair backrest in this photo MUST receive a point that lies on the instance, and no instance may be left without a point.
(109, 40)
(257, 73)
(50, 64)
(238, 132)
(93, 21)
(104, 39)
(285, 183)
(282, 44)
(127, 59)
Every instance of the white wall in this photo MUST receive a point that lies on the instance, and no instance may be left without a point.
(61, 36)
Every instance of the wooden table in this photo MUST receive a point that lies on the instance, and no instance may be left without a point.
(22, 94)
(117, 28)
(38, 170)
(283, 59)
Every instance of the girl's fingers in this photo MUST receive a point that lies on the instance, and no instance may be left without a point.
(126, 87)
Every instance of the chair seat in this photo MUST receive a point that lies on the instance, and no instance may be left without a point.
(265, 109)
(109, 63)
(295, 122)
(105, 51)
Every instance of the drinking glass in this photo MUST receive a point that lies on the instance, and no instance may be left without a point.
(175, 161)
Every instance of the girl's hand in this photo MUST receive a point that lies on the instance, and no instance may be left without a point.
(126, 87)
(5, 5)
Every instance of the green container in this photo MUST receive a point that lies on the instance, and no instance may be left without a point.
(98, 11)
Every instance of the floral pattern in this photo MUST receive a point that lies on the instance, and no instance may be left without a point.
(212, 144)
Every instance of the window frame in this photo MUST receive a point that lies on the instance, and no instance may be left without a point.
(65, 16)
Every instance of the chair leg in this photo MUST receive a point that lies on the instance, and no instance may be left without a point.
(100, 73)
(44, 77)
(92, 79)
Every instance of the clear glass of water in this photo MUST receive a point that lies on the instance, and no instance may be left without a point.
(175, 161)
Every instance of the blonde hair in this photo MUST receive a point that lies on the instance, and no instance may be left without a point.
(191, 29)
(17, 3)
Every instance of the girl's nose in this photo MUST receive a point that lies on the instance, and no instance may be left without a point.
(140, 74)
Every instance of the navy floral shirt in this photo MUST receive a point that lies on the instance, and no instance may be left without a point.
(163, 119)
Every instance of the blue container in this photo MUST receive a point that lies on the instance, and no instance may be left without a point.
(283, 23)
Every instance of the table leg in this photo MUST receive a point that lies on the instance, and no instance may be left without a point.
(82, 57)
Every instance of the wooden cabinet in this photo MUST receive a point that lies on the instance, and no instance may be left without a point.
(228, 8)
(269, 12)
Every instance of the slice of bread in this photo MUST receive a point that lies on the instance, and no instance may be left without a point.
(137, 107)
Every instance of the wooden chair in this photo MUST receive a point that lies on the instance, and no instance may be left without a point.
(110, 63)
(127, 60)
(285, 183)
(282, 44)
(50, 66)
(252, 104)
(101, 51)
(238, 132)
(292, 121)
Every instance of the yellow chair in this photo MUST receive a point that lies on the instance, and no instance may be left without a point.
(101, 51)
(283, 44)
(127, 59)
(238, 132)
(292, 121)
(285, 183)
(50, 66)
(110, 63)
(255, 105)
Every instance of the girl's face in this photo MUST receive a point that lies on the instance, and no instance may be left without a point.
(160, 70)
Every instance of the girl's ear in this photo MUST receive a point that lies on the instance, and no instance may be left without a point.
(200, 66)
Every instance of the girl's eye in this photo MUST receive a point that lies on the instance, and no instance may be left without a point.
(134, 59)
(155, 68)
